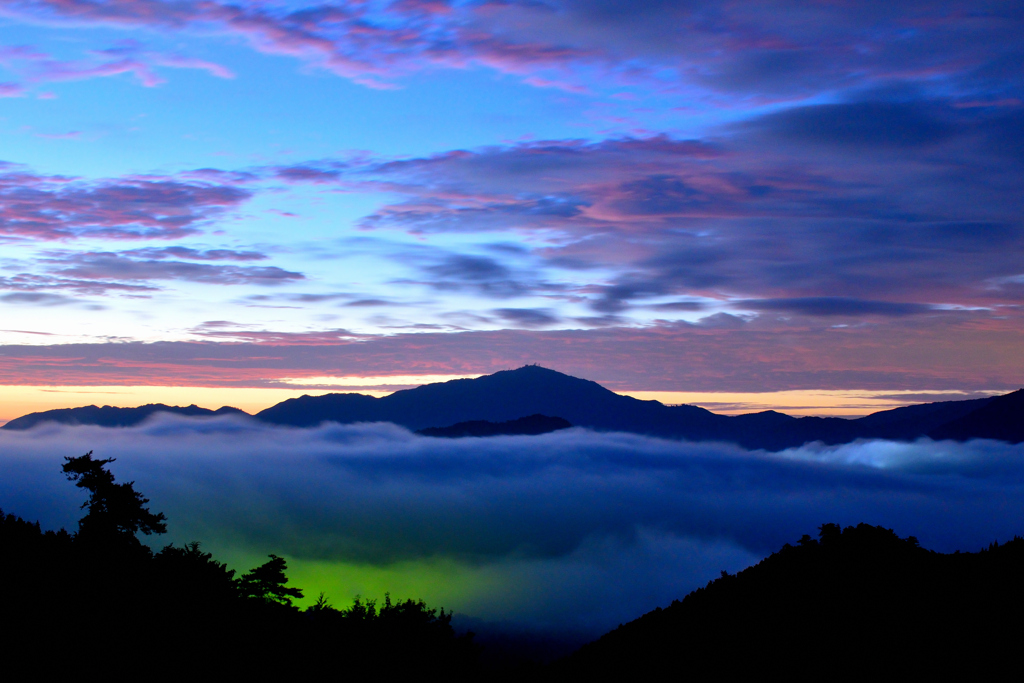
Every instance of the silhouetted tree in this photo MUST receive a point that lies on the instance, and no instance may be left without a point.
(121, 601)
(192, 579)
(267, 582)
(116, 511)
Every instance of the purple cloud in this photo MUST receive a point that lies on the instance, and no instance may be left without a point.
(28, 282)
(128, 58)
(60, 208)
(195, 254)
(834, 306)
(914, 202)
(527, 317)
(744, 53)
(114, 266)
(12, 90)
(962, 350)
(325, 172)
(36, 299)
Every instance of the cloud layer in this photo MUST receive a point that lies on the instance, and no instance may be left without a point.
(43, 207)
(725, 354)
(631, 520)
(733, 52)
(863, 208)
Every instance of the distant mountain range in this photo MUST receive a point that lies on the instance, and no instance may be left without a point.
(109, 416)
(532, 390)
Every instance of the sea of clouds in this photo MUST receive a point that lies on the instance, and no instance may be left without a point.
(574, 531)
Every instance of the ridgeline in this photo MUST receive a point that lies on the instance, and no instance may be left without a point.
(512, 395)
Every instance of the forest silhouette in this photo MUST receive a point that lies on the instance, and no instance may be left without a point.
(100, 600)
(856, 603)
(859, 601)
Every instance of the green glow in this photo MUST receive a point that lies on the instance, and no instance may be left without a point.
(440, 582)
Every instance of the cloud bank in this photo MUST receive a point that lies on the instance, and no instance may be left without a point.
(965, 350)
(40, 207)
(723, 51)
(572, 530)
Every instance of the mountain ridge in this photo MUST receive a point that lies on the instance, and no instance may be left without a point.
(509, 395)
(112, 416)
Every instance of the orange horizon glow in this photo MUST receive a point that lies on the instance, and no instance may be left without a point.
(18, 400)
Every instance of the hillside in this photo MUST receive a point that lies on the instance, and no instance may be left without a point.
(858, 601)
(1001, 418)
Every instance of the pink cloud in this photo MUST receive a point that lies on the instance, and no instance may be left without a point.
(867, 201)
(722, 51)
(968, 352)
(12, 90)
(129, 58)
(27, 282)
(122, 267)
(60, 208)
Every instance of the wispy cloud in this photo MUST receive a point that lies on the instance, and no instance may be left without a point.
(61, 208)
(36, 299)
(719, 353)
(27, 282)
(743, 54)
(834, 306)
(115, 266)
(188, 253)
(128, 57)
(908, 204)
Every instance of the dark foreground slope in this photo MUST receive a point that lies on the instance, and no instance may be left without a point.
(110, 416)
(859, 601)
(98, 604)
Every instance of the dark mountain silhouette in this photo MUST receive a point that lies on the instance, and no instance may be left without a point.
(500, 397)
(858, 601)
(532, 390)
(524, 426)
(510, 394)
(1001, 418)
(109, 416)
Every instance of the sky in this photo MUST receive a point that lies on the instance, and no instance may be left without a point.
(813, 206)
(808, 205)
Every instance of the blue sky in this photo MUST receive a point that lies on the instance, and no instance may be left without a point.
(662, 196)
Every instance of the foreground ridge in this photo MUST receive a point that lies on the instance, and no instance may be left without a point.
(99, 600)
(857, 600)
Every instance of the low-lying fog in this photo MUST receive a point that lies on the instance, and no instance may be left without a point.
(573, 531)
